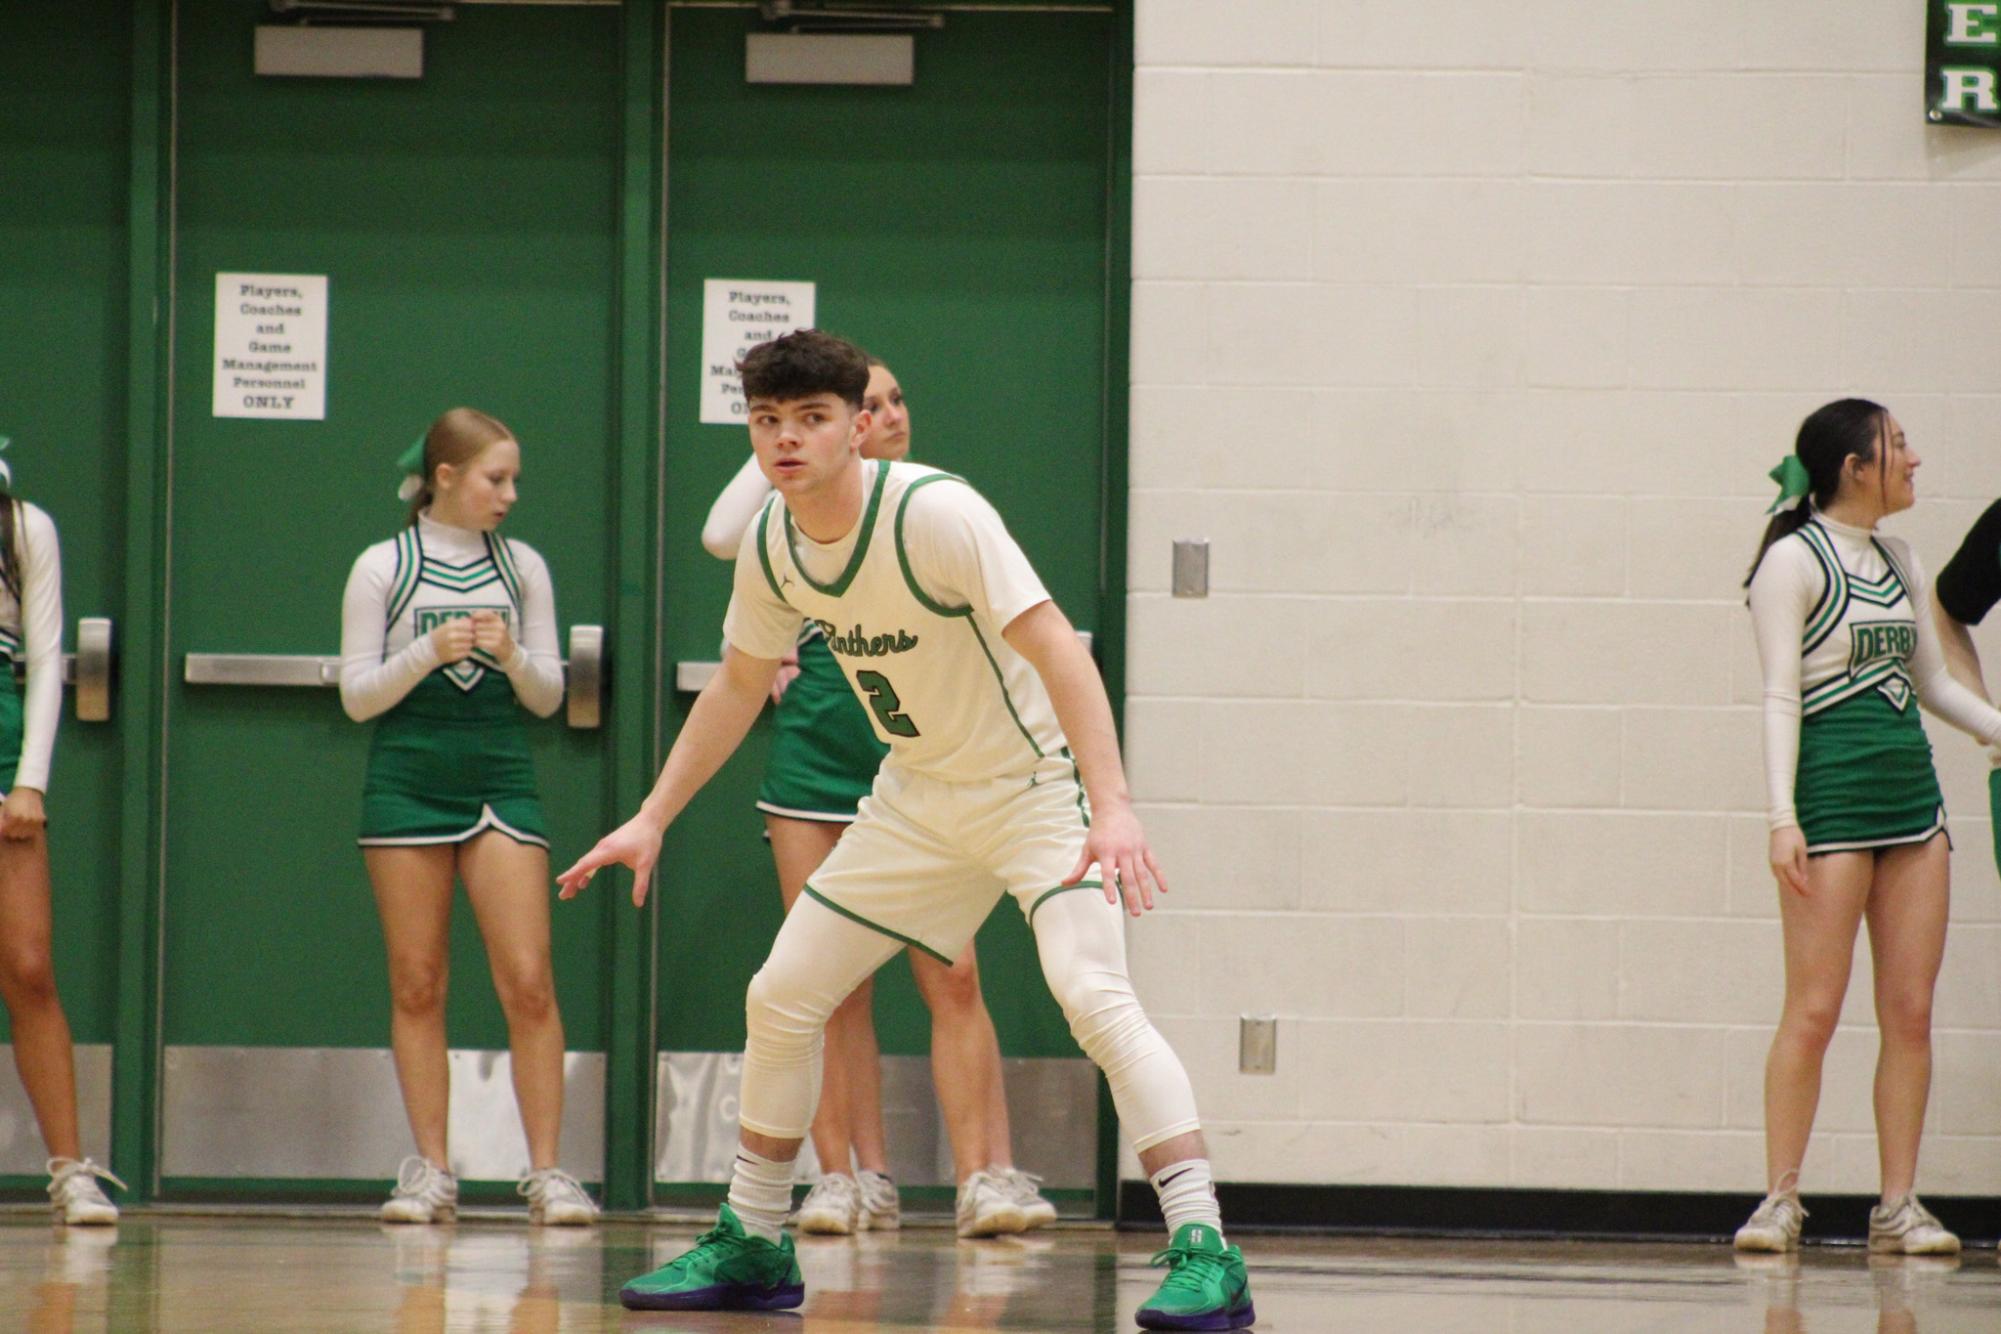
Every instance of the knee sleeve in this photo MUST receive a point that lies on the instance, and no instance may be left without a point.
(817, 960)
(1083, 955)
(781, 1058)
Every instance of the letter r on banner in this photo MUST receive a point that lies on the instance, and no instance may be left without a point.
(1968, 88)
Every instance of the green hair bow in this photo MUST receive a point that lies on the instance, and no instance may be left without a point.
(410, 463)
(1793, 480)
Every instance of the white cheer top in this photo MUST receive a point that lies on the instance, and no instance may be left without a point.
(1839, 610)
(398, 591)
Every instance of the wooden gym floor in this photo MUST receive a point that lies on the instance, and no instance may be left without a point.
(175, 1271)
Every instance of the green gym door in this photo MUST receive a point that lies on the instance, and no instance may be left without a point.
(466, 225)
(959, 228)
(63, 315)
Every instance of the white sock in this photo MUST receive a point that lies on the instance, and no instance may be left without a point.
(1187, 1195)
(761, 1194)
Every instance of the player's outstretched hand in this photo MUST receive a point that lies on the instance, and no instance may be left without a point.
(1118, 845)
(635, 844)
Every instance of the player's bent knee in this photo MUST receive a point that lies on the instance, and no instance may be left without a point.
(1113, 1032)
(1085, 995)
(776, 1017)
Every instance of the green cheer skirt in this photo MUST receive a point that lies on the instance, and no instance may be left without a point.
(11, 725)
(1865, 777)
(446, 765)
(824, 752)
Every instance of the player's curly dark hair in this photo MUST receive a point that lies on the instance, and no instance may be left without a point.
(802, 364)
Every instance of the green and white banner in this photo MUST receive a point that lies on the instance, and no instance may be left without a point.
(1963, 62)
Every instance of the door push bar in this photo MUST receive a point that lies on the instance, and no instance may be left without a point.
(583, 671)
(89, 669)
(584, 674)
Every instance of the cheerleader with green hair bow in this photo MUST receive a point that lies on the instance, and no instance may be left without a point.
(1848, 653)
(31, 694)
(448, 632)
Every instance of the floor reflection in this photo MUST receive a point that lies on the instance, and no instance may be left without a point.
(179, 1272)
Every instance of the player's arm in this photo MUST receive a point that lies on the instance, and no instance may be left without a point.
(1942, 695)
(1967, 589)
(723, 713)
(1044, 636)
(1962, 659)
(757, 630)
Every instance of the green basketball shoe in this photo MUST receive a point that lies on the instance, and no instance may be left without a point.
(1205, 1287)
(728, 1270)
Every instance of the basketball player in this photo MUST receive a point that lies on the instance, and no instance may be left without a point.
(1003, 776)
(824, 756)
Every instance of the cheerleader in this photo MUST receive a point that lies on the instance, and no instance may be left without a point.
(1857, 823)
(31, 644)
(445, 628)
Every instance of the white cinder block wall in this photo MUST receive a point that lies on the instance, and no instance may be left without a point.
(1466, 332)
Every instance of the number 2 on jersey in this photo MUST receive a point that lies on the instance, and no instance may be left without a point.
(882, 698)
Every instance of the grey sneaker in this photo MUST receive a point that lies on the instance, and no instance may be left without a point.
(557, 1199)
(987, 1207)
(1774, 1225)
(425, 1193)
(75, 1194)
(1906, 1227)
(832, 1208)
(1026, 1188)
(882, 1208)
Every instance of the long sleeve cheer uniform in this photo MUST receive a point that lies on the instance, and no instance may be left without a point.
(1848, 652)
(31, 638)
(449, 758)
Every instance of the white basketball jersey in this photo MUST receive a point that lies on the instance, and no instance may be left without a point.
(942, 688)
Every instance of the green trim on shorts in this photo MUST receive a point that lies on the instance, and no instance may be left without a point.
(877, 926)
(1049, 894)
(840, 585)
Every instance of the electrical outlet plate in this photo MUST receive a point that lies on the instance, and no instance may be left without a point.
(1191, 567)
(1257, 1044)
